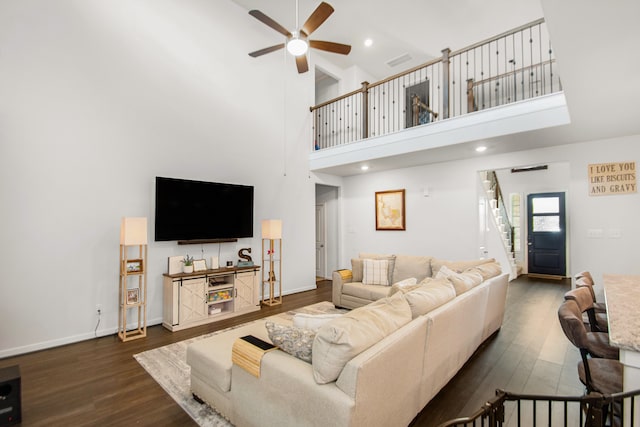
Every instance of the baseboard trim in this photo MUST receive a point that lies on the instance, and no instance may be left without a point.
(545, 276)
(46, 345)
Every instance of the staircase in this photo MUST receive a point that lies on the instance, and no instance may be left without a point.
(498, 211)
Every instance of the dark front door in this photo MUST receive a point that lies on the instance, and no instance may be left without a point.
(547, 234)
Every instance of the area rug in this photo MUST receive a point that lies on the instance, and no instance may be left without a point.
(167, 366)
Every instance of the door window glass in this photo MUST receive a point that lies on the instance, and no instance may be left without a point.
(546, 205)
(546, 223)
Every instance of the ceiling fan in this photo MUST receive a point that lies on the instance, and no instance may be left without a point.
(298, 41)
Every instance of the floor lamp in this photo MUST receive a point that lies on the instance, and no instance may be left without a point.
(272, 232)
(133, 233)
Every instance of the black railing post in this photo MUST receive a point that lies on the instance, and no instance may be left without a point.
(365, 109)
(445, 82)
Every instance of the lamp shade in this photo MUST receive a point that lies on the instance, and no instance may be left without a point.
(271, 229)
(133, 231)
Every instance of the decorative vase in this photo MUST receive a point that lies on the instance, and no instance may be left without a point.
(187, 269)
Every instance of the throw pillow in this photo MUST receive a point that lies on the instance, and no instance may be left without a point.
(312, 321)
(390, 258)
(429, 296)
(342, 339)
(375, 272)
(297, 342)
(404, 286)
(462, 282)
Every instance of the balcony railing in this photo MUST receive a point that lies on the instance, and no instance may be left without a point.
(510, 67)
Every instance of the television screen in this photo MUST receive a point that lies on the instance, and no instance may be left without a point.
(194, 210)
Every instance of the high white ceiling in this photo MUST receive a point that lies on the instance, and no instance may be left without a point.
(595, 44)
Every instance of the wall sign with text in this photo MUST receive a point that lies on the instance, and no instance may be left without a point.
(612, 178)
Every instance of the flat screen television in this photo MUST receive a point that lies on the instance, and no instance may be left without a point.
(199, 210)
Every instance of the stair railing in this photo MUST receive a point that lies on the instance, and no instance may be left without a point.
(591, 410)
(512, 66)
(499, 203)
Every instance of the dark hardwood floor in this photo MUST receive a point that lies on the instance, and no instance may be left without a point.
(98, 382)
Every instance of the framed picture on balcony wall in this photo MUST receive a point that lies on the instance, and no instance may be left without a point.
(417, 104)
(390, 210)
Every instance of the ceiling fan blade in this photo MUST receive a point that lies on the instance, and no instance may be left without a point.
(316, 19)
(302, 64)
(266, 50)
(269, 22)
(340, 48)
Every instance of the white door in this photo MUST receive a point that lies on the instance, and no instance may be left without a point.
(321, 250)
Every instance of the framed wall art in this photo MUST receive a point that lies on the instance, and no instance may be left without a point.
(133, 296)
(199, 265)
(134, 266)
(390, 212)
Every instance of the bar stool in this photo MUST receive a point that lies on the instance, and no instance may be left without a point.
(597, 374)
(584, 278)
(602, 376)
(596, 343)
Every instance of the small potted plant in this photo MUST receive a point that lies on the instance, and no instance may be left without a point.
(188, 264)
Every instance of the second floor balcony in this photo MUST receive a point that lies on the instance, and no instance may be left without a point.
(504, 85)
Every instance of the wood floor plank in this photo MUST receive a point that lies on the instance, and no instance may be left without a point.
(98, 382)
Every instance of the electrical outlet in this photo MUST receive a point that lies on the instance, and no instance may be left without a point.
(98, 309)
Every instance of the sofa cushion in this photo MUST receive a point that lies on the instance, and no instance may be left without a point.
(488, 270)
(343, 338)
(462, 282)
(368, 292)
(429, 295)
(296, 341)
(212, 356)
(312, 321)
(457, 266)
(411, 266)
(375, 272)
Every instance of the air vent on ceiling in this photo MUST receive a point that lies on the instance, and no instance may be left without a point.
(399, 60)
(530, 168)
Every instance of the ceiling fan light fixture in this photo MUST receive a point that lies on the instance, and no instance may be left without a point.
(297, 46)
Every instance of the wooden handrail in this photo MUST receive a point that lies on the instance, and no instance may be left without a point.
(404, 73)
(339, 98)
(445, 57)
(499, 36)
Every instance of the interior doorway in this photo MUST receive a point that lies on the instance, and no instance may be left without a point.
(516, 183)
(547, 234)
(327, 86)
(321, 244)
(327, 242)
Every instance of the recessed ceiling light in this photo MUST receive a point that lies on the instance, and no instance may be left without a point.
(481, 149)
(368, 42)
(364, 167)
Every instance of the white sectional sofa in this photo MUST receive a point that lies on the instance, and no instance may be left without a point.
(423, 335)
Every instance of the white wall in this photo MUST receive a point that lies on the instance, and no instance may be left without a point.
(445, 224)
(100, 97)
